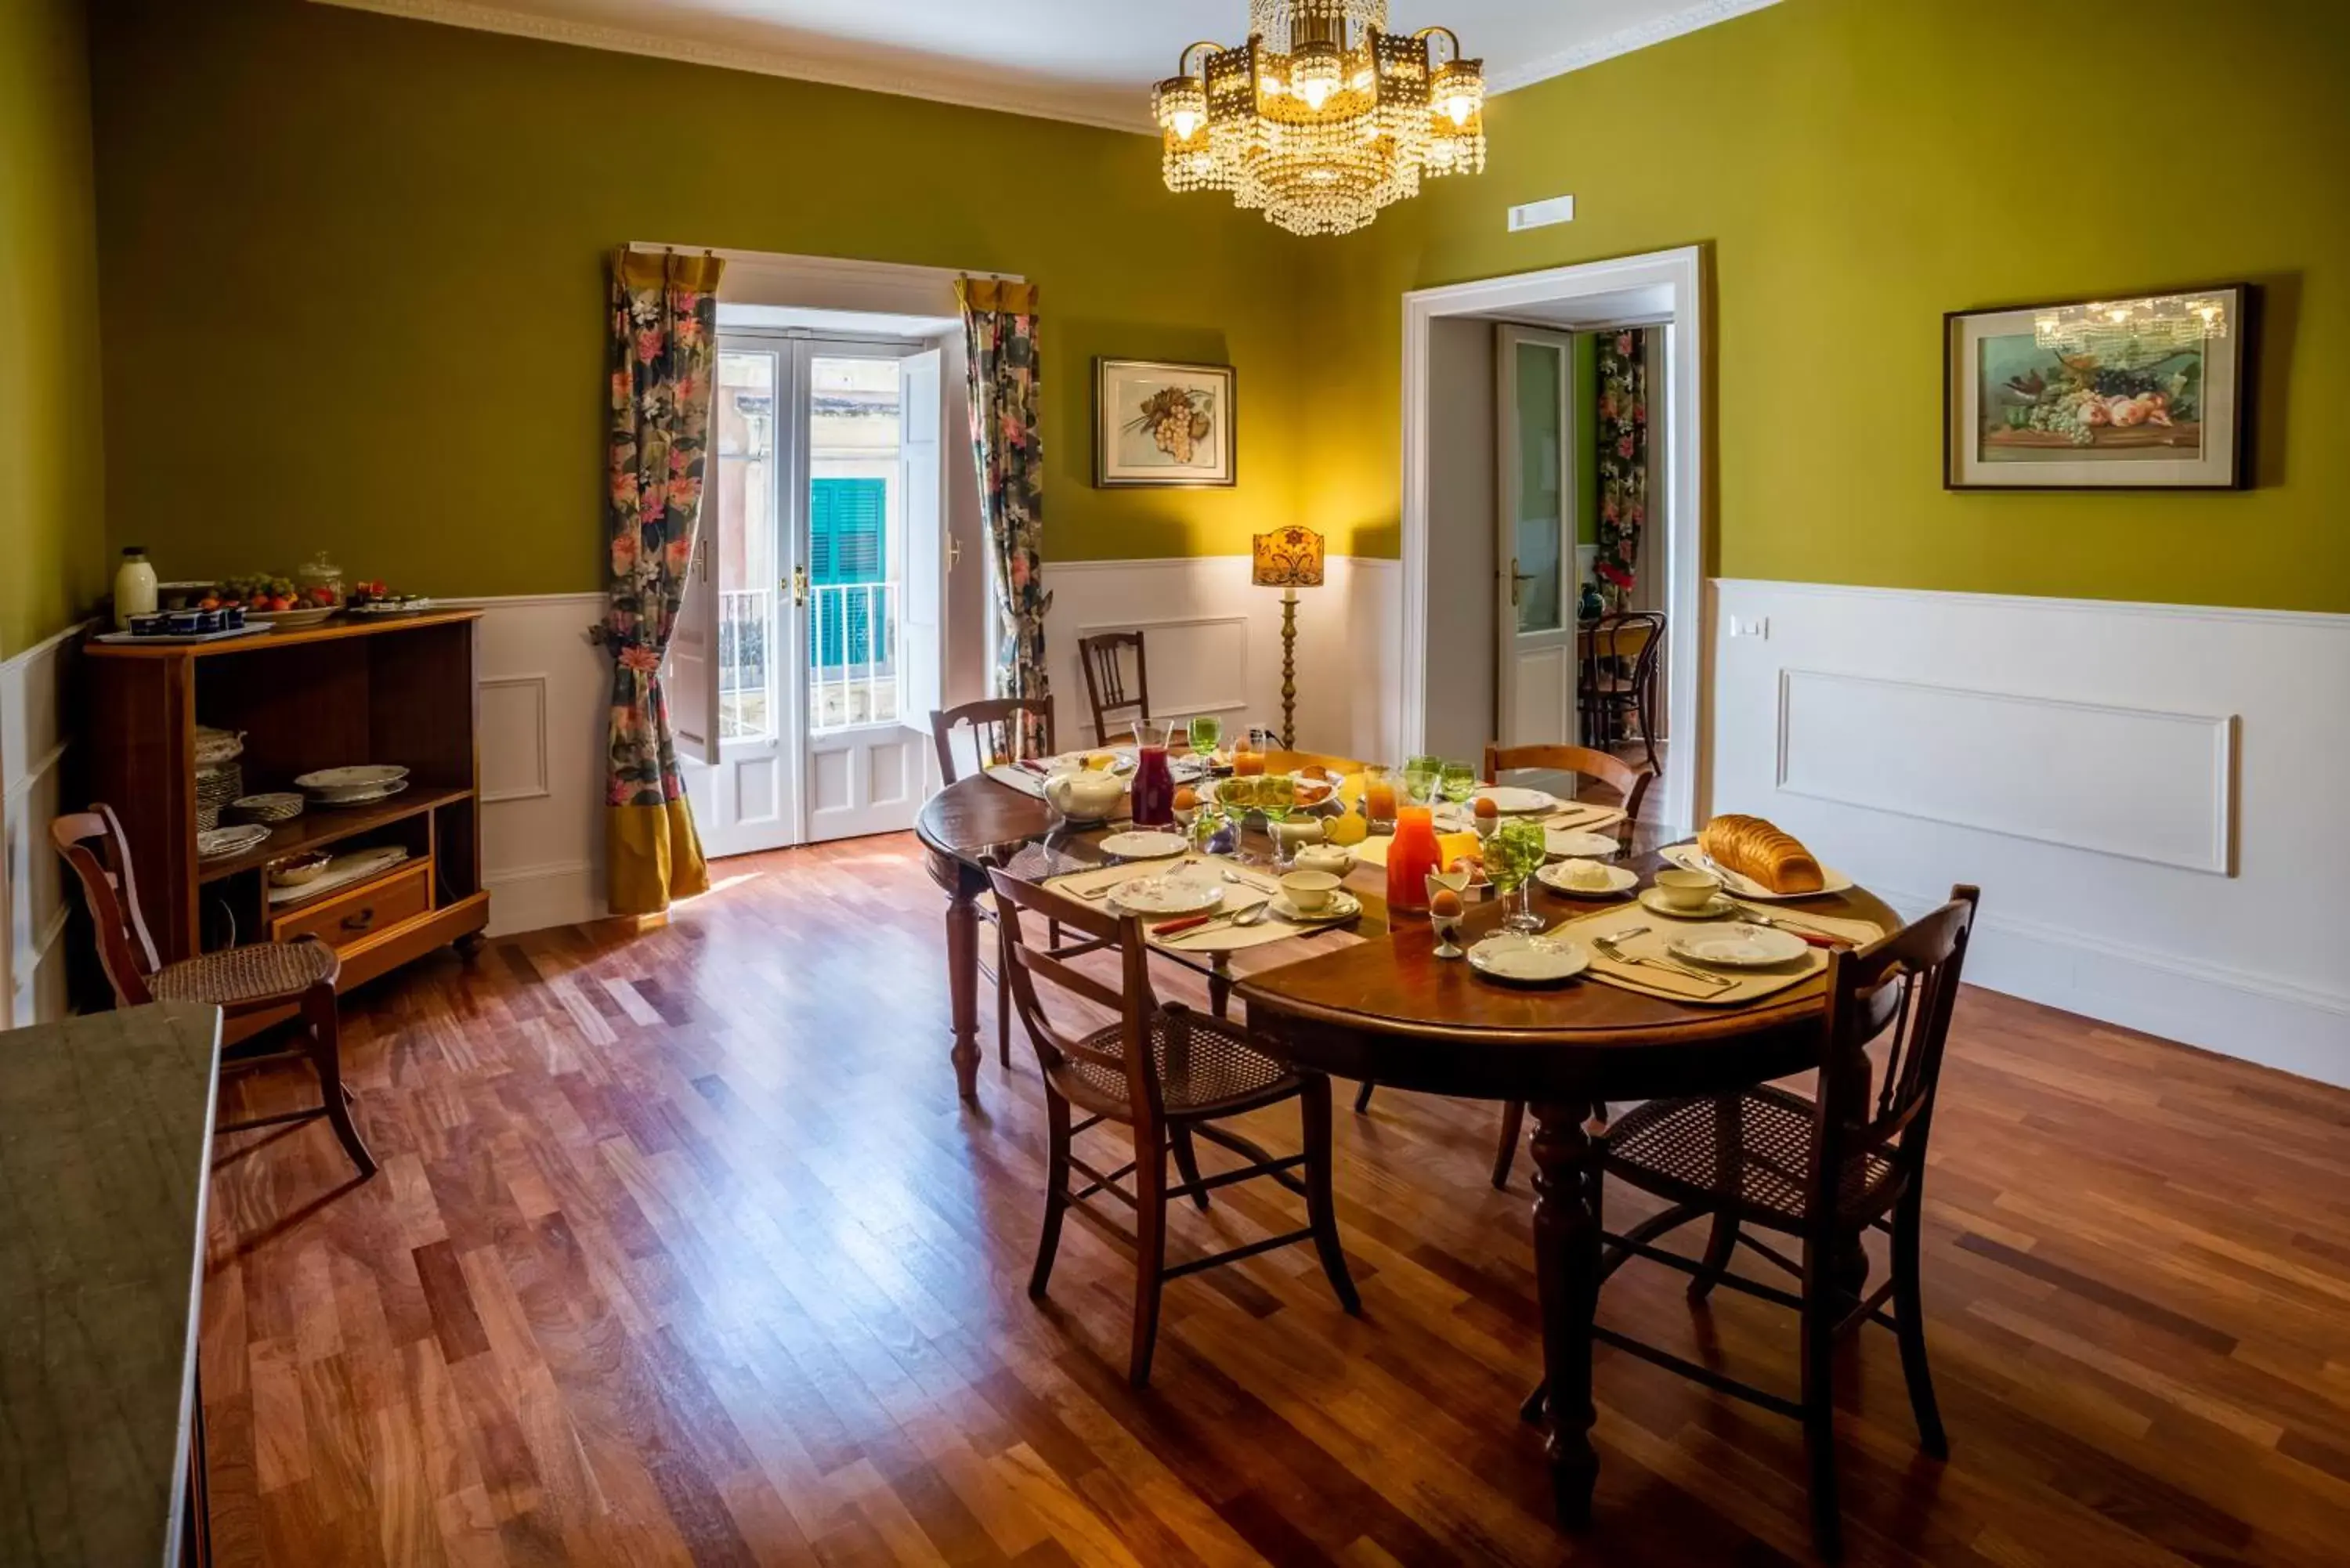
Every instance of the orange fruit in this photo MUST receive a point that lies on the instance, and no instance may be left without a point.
(1187, 798)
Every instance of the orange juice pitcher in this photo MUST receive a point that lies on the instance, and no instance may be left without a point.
(1410, 858)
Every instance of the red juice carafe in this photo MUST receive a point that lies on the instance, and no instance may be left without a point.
(1411, 858)
(1153, 789)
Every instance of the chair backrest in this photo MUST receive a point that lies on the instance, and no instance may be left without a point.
(1103, 657)
(1624, 643)
(1058, 1052)
(112, 891)
(996, 726)
(1629, 782)
(1900, 988)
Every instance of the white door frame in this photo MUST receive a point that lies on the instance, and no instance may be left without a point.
(1667, 282)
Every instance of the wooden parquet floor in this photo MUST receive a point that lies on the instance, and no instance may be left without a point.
(684, 1251)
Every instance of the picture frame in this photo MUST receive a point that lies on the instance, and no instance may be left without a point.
(1163, 424)
(2145, 391)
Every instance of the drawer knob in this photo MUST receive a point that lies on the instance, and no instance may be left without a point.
(360, 921)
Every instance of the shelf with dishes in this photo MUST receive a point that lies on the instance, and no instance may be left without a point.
(320, 826)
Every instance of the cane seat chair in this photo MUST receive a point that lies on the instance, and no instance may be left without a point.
(260, 977)
(995, 724)
(1623, 655)
(1631, 787)
(1824, 1170)
(1171, 1075)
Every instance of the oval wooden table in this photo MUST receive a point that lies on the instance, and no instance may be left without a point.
(1376, 1004)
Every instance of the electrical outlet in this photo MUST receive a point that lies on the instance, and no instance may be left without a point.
(1537, 215)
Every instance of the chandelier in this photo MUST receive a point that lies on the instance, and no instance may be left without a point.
(2147, 329)
(1323, 117)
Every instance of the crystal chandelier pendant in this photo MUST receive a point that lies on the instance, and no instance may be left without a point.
(1323, 117)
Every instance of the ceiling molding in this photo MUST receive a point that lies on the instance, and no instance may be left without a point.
(1623, 42)
(1080, 106)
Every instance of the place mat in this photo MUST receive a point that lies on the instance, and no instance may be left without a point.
(1750, 985)
(1373, 851)
(1222, 937)
(1019, 778)
(1578, 817)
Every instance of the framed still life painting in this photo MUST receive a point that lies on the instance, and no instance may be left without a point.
(1157, 423)
(2144, 393)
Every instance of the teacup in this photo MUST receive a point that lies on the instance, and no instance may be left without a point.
(1309, 890)
(1689, 890)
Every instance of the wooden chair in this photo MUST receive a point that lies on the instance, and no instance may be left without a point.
(1822, 1170)
(1103, 658)
(1622, 653)
(1171, 1075)
(1631, 785)
(996, 729)
(255, 978)
(994, 724)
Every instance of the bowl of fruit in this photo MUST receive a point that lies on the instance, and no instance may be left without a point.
(373, 600)
(274, 601)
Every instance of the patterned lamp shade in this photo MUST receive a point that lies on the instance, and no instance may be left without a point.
(1289, 558)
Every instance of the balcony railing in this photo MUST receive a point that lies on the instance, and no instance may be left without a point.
(745, 619)
(852, 655)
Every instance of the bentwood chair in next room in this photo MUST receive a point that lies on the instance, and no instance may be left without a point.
(1824, 1170)
(1631, 787)
(258, 978)
(1169, 1074)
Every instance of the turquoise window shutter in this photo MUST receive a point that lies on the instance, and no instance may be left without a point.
(848, 544)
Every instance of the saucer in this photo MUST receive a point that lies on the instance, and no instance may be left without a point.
(1713, 909)
(1342, 905)
(1142, 845)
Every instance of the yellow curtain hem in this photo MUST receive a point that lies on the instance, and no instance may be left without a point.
(651, 856)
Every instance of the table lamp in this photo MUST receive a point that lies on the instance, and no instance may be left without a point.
(1289, 559)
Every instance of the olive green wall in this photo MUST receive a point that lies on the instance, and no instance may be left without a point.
(354, 276)
(52, 526)
(1855, 168)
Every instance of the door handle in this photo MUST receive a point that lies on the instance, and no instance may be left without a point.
(1517, 577)
(799, 585)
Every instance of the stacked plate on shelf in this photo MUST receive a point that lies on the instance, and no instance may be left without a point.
(352, 787)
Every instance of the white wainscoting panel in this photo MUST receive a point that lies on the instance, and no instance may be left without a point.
(2122, 781)
(2149, 796)
(1215, 644)
(34, 738)
(545, 708)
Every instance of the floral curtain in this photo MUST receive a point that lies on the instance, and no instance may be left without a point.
(999, 323)
(1623, 460)
(664, 328)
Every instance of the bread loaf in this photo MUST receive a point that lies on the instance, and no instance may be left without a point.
(1754, 849)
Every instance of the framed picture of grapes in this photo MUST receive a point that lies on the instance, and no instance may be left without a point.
(1157, 423)
(2139, 393)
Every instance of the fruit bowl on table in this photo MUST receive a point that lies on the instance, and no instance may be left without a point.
(276, 601)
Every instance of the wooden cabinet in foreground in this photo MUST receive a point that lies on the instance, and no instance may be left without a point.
(335, 695)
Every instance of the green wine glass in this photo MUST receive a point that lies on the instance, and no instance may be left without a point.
(1458, 781)
(1512, 856)
(1420, 778)
(1207, 730)
(1276, 797)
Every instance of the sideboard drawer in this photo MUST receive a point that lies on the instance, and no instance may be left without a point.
(350, 917)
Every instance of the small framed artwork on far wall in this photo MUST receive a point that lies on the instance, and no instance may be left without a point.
(1162, 424)
(2145, 392)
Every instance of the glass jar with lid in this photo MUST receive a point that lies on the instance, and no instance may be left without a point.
(317, 576)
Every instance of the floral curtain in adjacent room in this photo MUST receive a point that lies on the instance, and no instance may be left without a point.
(664, 328)
(999, 323)
(1623, 460)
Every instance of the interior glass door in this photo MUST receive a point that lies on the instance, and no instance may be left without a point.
(1534, 658)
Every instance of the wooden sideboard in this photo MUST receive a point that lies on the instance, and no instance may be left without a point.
(339, 693)
(106, 1127)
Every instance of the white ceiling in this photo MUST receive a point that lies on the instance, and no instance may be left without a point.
(1088, 60)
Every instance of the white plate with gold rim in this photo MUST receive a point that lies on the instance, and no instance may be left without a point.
(1713, 909)
(1144, 846)
(1615, 881)
(1690, 857)
(1734, 944)
(1340, 905)
(1528, 960)
(1510, 800)
(1564, 842)
(1172, 893)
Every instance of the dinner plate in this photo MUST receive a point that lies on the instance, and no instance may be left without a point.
(1690, 858)
(1340, 905)
(1172, 893)
(1528, 960)
(1512, 800)
(1737, 945)
(337, 781)
(360, 797)
(1713, 909)
(220, 843)
(1140, 845)
(1619, 880)
(1120, 762)
(1563, 842)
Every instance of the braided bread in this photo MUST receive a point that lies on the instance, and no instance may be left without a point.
(1754, 849)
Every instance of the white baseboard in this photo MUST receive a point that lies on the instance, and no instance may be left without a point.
(2149, 798)
(533, 898)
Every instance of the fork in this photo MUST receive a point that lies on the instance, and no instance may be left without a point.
(1608, 945)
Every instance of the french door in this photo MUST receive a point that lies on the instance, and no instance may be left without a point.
(1534, 655)
(811, 626)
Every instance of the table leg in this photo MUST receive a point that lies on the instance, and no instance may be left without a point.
(1219, 985)
(1566, 1273)
(962, 989)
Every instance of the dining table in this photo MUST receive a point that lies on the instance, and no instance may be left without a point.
(1372, 1001)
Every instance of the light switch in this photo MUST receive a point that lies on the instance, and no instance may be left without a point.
(1754, 626)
